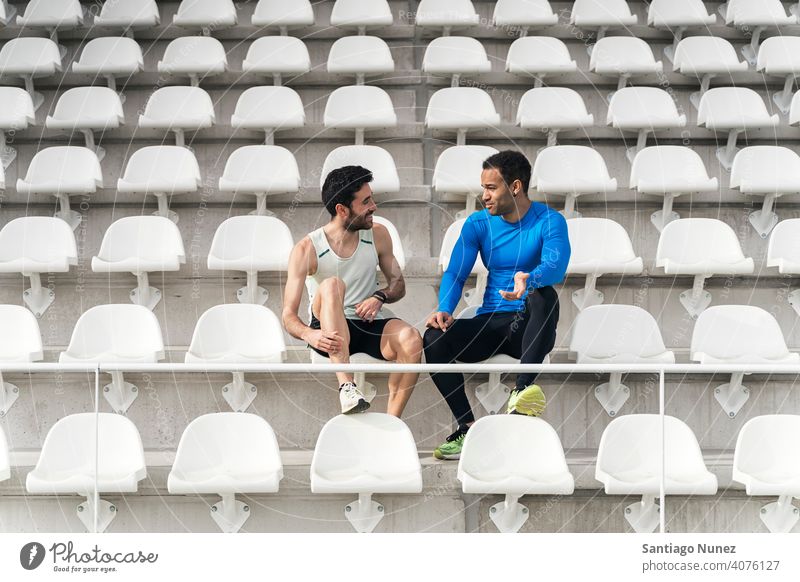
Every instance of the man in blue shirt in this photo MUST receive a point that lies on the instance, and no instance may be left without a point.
(525, 247)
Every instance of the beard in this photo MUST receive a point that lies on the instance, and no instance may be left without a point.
(358, 223)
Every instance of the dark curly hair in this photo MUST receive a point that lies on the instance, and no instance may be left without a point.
(512, 165)
(341, 184)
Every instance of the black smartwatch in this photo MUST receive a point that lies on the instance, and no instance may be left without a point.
(380, 295)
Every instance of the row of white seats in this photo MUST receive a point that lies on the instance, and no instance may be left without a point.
(228, 454)
(446, 14)
(250, 333)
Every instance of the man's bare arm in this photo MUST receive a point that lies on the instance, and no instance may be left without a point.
(395, 283)
(299, 267)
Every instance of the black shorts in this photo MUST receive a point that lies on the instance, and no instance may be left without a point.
(365, 336)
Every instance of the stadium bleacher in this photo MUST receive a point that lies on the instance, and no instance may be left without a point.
(264, 98)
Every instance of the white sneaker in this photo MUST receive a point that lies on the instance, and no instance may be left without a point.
(352, 399)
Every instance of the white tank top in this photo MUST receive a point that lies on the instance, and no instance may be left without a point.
(359, 271)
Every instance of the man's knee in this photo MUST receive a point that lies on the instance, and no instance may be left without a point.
(332, 287)
(433, 344)
(410, 343)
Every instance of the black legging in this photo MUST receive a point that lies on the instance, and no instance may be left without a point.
(528, 335)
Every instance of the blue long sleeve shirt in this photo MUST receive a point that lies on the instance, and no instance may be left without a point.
(538, 244)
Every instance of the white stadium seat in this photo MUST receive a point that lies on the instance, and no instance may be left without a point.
(616, 334)
(669, 171)
(33, 245)
(553, 109)
(735, 110)
(755, 17)
(461, 109)
(625, 56)
(397, 243)
(110, 57)
(702, 247)
(178, 109)
(524, 14)
(5, 464)
(361, 15)
(571, 171)
(260, 170)
(365, 454)
(676, 16)
(161, 171)
(194, 56)
(88, 452)
(206, 14)
(766, 462)
(541, 469)
(644, 110)
(111, 334)
(738, 334)
(268, 109)
(139, 245)
(8, 13)
(458, 171)
(277, 56)
(53, 15)
(706, 57)
(237, 333)
(376, 159)
(226, 453)
(61, 171)
(251, 244)
(30, 57)
(769, 171)
(780, 56)
(456, 56)
(87, 109)
(601, 14)
(16, 112)
(360, 56)
(285, 15)
(359, 107)
(128, 14)
(20, 342)
(599, 246)
(784, 252)
(446, 14)
(629, 462)
(539, 56)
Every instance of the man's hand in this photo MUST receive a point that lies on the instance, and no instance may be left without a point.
(520, 280)
(439, 320)
(369, 308)
(326, 341)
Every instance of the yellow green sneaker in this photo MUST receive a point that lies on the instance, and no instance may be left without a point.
(450, 449)
(529, 401)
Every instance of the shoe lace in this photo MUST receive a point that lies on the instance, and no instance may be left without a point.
(459, 434)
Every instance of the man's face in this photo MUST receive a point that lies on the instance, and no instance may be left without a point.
(359, 215)
(497, 197)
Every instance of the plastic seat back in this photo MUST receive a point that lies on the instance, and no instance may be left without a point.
(360, 54)
(767, 452)
(784, 246)
(202, 55)
(277, 54)
(738, 334)
(237, 331)
(733, 107)
(178, 107)
(154, 169)
(700, 55)
(361, 13)
(643, 107)
(779, 55)
(455, 54)
(571, 169)
(260, 168)
(30, 56)
(52, 13)
(128, 13)
(670, 13)
(524, 13)
(706, 241)
(116, 333)
(598, 246)
(397, 243)
(62, 170)
(259, 243)
(150, 239)
(268, 108)
(539, 54)
(766, 170)
(553, 108)
(211, 13)
(670, 169)
(622, 54)
(616, 334)
(461, 108)
(43, 240)
(87, 108)
(449, 242)
(110, 56)
(358, 107)
(601, 13)
(21, 340)
(446, 13)
(17, 111)
(282, 13)
(458, 169)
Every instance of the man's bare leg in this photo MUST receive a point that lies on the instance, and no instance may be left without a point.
(401, 343)
(328, 307)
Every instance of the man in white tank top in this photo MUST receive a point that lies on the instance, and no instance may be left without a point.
(338, 263)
